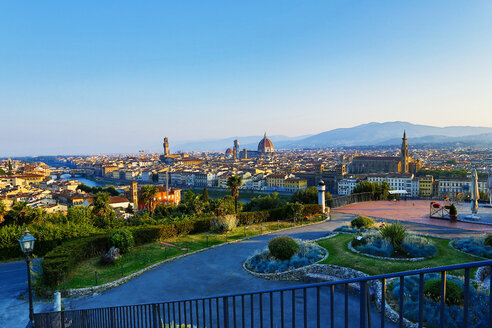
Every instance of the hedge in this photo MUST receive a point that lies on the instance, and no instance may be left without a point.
(63, 259)
(248, 218)
(280, 213)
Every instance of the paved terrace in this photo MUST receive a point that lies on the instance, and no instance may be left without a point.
(415, 213)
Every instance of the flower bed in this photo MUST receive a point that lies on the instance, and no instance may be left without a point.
(263, 262)
(478, 310)
(474, 246)
(412, 246)
(350, 229)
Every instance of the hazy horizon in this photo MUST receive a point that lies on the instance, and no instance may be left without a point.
(98, 77)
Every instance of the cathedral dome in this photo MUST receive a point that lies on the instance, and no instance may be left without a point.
(265, 145)
(228, 152)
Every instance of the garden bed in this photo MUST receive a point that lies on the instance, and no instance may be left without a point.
(340, 255)
(263, 262)
(473, 246)
(478, 310)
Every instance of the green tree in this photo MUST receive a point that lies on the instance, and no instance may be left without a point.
(129, 209)
(224, 206)
(294, 211)
(233, 183)
(378, 190)
(80, 214)
(263, 203)
(205, 196)
(3, 210)
(101, 209)
(308, 196)
(147, 196)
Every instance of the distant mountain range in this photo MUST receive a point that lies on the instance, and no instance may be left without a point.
(370, 134)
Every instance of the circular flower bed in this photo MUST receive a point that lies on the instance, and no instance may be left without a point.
(453, 311)
(393, 241)
(475, 246)
(264, 262)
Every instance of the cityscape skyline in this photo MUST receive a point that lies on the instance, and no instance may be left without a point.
(75, 82)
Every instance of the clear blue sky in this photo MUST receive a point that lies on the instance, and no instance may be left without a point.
(117, 76)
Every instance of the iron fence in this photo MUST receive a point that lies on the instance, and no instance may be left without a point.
(327, 304)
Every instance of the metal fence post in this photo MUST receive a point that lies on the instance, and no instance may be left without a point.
(226, 311)
(362, 303)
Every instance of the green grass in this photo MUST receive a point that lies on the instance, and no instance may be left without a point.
(143, 256)
(340, 255)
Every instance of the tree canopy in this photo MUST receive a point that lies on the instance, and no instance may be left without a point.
(378, 190)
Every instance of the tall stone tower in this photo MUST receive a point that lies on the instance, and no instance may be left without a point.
(404, 156)
(235, 150)
(134, 194)
(166, 146)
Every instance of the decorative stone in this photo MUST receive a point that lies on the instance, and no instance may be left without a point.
(110, 256)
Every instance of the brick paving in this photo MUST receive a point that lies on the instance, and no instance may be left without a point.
(412, 211)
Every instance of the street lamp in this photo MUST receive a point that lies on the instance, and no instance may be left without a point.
(27, 244)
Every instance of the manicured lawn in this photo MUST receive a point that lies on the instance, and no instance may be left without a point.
(145, 255)
(340, 255)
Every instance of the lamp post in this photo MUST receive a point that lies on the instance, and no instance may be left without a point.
(27, 244)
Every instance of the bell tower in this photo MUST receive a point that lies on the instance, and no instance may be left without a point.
(404, 156)
(166, 146)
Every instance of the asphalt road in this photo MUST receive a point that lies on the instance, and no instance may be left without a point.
(14, 300)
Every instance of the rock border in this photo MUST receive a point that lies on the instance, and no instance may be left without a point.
(410, 259)
(288, 275)
(103, 287)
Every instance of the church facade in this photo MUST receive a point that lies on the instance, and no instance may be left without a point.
(386, 164)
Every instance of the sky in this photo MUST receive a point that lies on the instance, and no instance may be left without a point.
(85, 77)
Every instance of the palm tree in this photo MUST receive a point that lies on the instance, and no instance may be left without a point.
(147, 195)
(101, 204)
(234, 182)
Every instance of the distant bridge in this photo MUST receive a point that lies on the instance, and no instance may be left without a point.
(59, 172)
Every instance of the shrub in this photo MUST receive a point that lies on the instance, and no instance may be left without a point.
(224, 223)
(283, 247)
(488, 241)
(432, 290)
(378, 248)
(122, 239)
(264, 262)
(478, 311)
(395, 233)
(311, 209)
(362, 222)
(416, 246)
(453, 210)
(475, 246)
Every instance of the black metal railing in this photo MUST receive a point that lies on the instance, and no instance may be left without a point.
(327, 304)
